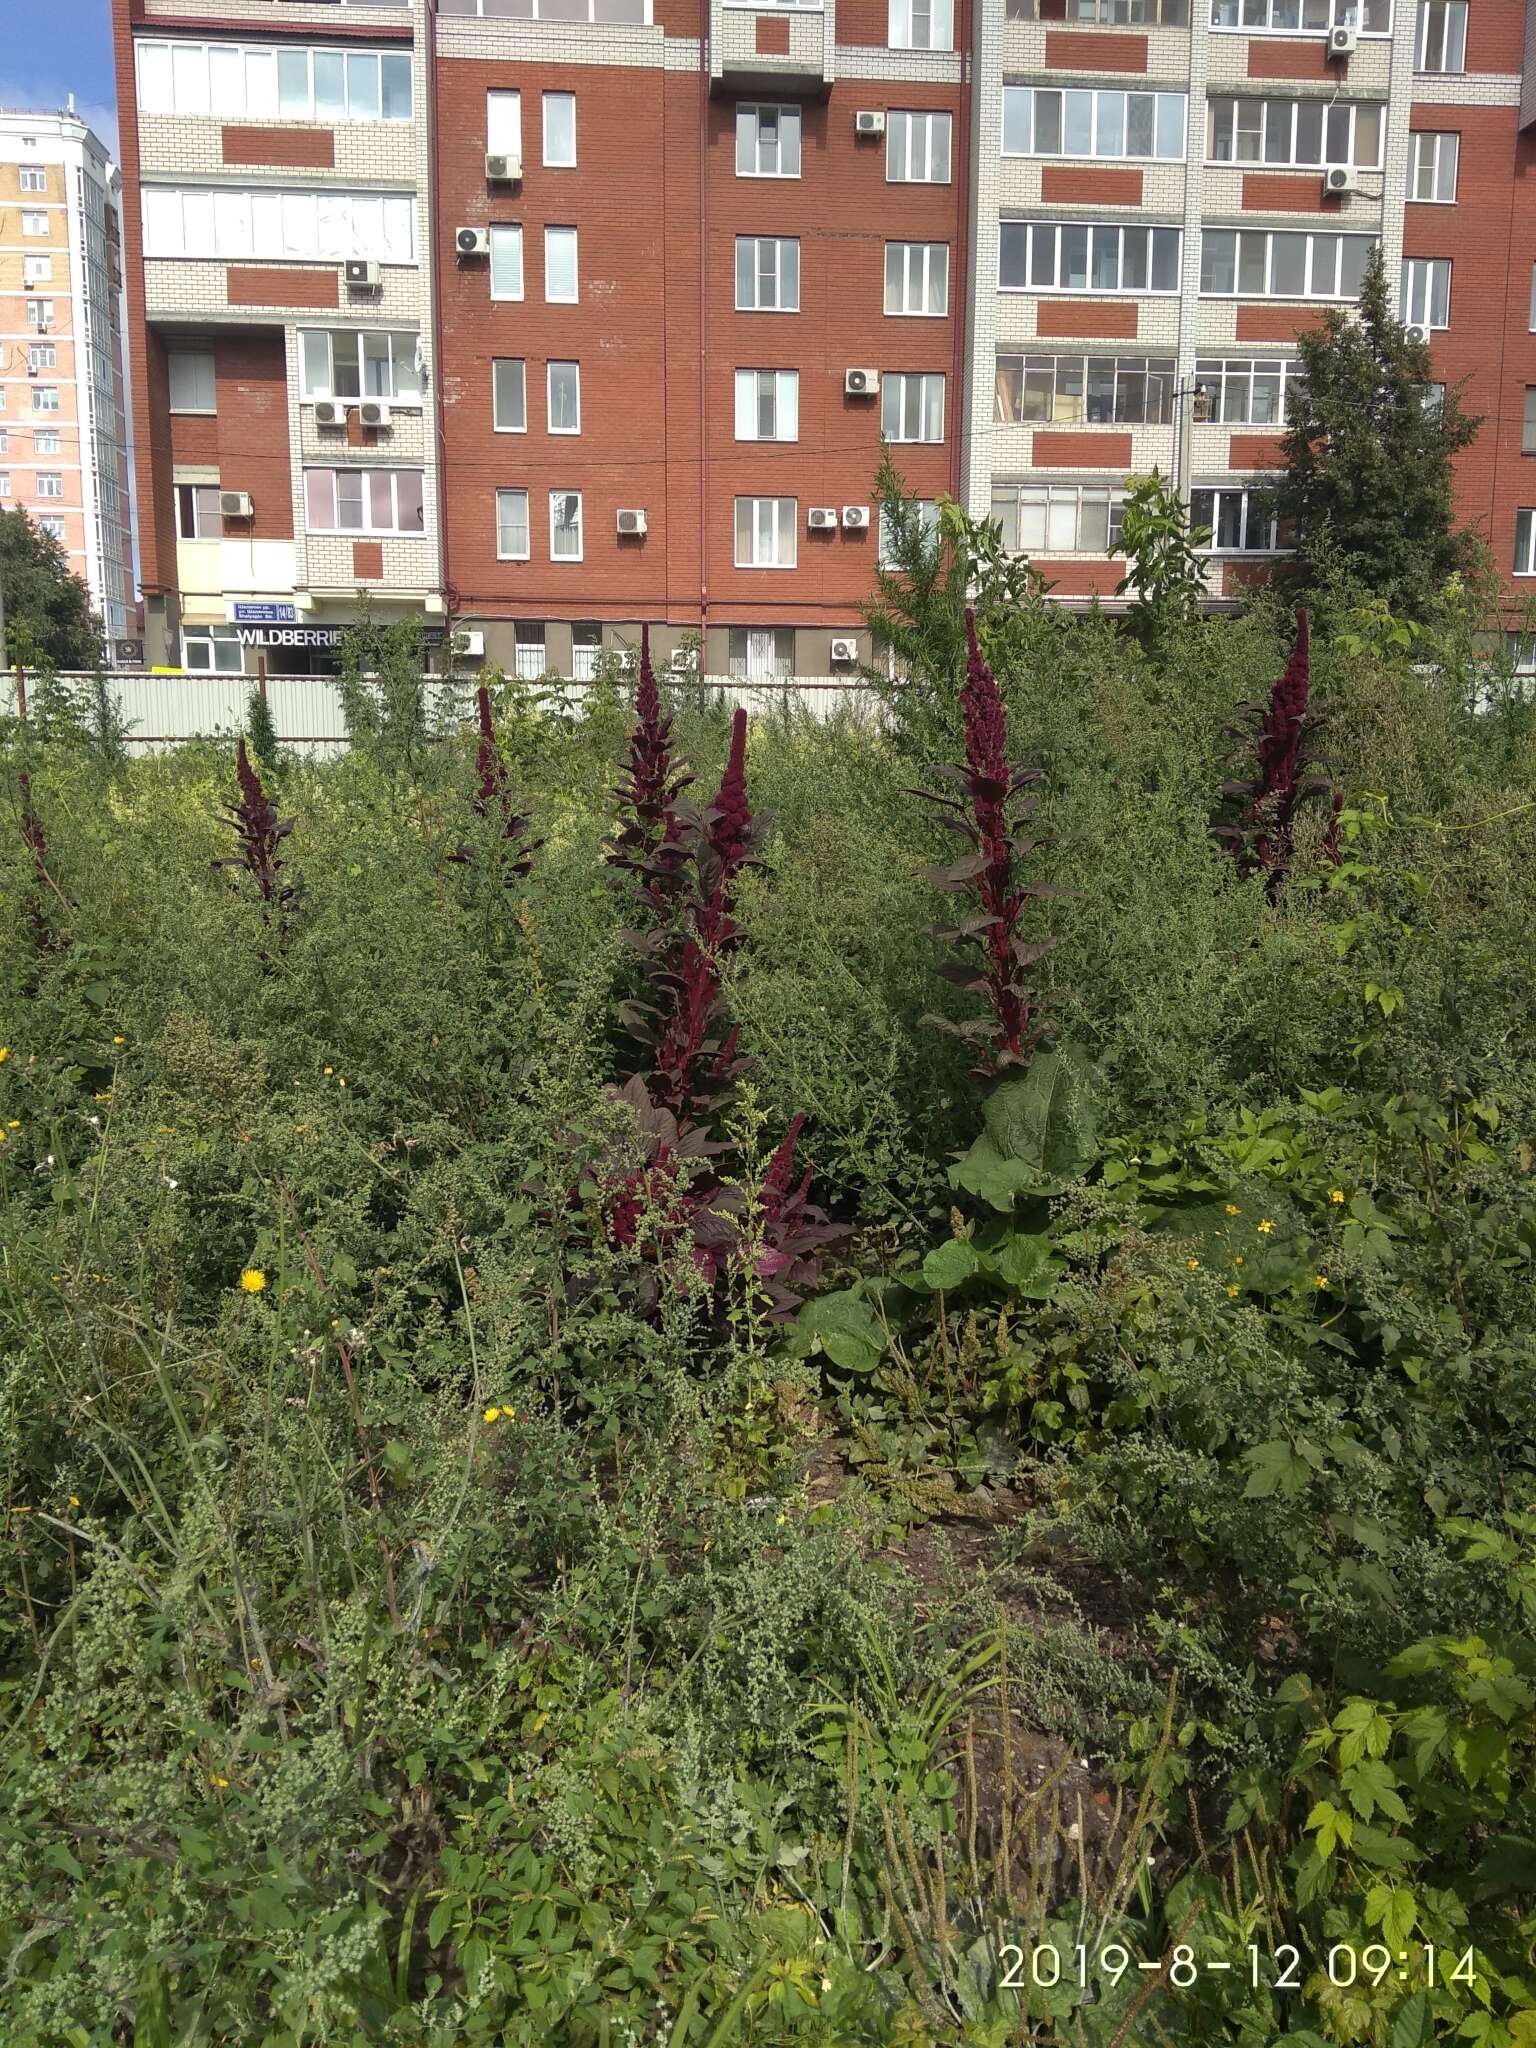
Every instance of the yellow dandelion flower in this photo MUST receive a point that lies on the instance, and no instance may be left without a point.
(1232, 1292)
(74, 1500)
(1319, 1279)
(253, 1280)
(1233, 1209)
(5, 1053)
(222, 1783)
(1192, 1264)
(490, 1415)
(1265, 1227)
(14, 1124)
(119, 1039)
(1335, 1194)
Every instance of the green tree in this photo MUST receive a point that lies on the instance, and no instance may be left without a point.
(1165, 571)
(1368, 481)
(48, 616)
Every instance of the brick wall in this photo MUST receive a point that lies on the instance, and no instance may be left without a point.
(247, 438)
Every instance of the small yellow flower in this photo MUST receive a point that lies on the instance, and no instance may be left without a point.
(1239, 1260)
(166, 1130)
(1265, 1227)
(74, 1500)
(1192, 1264)
(5, 1053)
(14, 1124)
(222, 1783)
(1233, 1209)
(779, 1521)
(1336, 1194)
(301, 1127)
(341, 1080)
(1319, 1279)
(1233, 1292)
(253, 1280)
(104, 1095)
(490, 1415)
(330, 1070)
(384, 1271)
(119, 1040)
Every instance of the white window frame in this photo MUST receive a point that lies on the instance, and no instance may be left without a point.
(192, 498)
(5, 483)
(1525, 541)
(185, 357)
(1314, 240)
(551, 244)
(45, 397)
(928, 512)
(1108, 109)
(920, 25)
(778, 244)
(247, 81)
(1441, 29)
(1434, 160)
(559, 500)
(1218, 373)
(33, 178)
(272, 224)
(525, 553)
(919, 141)
(40, 314)
(1042, 496)
(758, 156)
(529, 658)
(42, 355)
(504, 123)
(1528, 422)
(1070, 408)
(499, 423)
(782, 392)
(215, 640)
(45, 441)
(367, 530)
(50, 483)
(507, 236)
(37, 269)
(33, 223)
(1116, 235)
(915, 262)
(587, 652)
(904, 393)
(1296, 18)
(773, 532)
(1424, 287)
(52, 524)
(553, 161)
(314, 340)
(1250, 498)
(554, 364)
(1281, 111)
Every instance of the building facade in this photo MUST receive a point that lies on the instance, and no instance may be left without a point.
(63, 411)
(544, 317)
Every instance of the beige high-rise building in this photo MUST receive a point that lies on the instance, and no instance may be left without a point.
(63, 410)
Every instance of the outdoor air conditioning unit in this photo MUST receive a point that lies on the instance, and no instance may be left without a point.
(503, 170)
(683, 661)
(821, 518)
(330, 412)
(1417, 331)
(470, 641)
(845, 650)
(373, 412)
(1340, 178)
(472, 242)
(1343, 42)
(235, 505)
(855, 518)
(362, 274)
(630, 519)
(861, 383)
(869, 123)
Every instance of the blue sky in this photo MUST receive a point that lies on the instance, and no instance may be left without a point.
(51, 48)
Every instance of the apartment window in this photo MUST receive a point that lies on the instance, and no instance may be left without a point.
(1528, 428)
(1310, 133)
(33, 179)
(5, 485)
(1104, 13)
(1441, 41)
(917, 149)
(767, 142)
(560, 266)
(565, 526)
(767, 405)
(766, 532)
(1240, 522)
(1432, 398)
(1306, 17)
(760, 654)
(51, 525)
(1530, 320)
(529, 660)
(364, 501)
(921, 25)
(504, 124)
(40, 313)
(512, 531)
(1432, 167)
(212, 650)
(368, 363)
(49, 484)
(45, 397)
(912, 406)
(197, 512)
(506, 263)
(5, 443)
(767, 274)
(1042, 256)
(559, 131)
(1246, 391)
(229, 223)
(928, 519)
(586, 650)
(1070, 390)
(509, 396)
(37, 269)
(236, 80)
(191, 380)
(1041, 120)
(564, 392)
(917, 278)
(34, 223)
(43, 355)
(1264, 263)
(46, 441)
(1058, 519)
(1425, 291)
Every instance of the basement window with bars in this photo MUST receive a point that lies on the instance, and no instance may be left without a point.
(1058, 519)
(586, 650)
(1238, 521)
(529, 658)
(1074, 390)
(1306, 133)
(760, 654)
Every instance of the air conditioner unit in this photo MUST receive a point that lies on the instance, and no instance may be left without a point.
(235, 505)
(1343, 42)
(845, 650)
(330, 412)
(861, 383)
(503, 170)
(1417, 331)
(855, 518)
(470, 640)
(683, 661)
(362, 274)
(1340, 178)
(373, 412)
(630, 519)
(472, 242)
(869, 123)
(821, 517)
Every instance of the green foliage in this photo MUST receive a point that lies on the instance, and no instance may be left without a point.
(1165, 571)
(48, 616)
(383, 691)
(263, 733)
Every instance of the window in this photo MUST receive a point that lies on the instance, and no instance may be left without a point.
(559, 131)
(565, 526)
(765, 533)
(767, 142)
(192, 380)
(49, 484)
(564, 386)
(46, 441)
(1528, 429)
(45, 397)
(912, 406)
(1306, 132)
(512, 532)
(1531, 317)
(1525, 542)
(1264, 263)
(504, 124)
(5, 443)
(760, 654)
(917, 149)
(1071, 390)
(1432, 398)
(33, 179)
(363, 501)
(586, 648)
(1441, 42)
(529, 659)
(1058, 519)
(1309, 17)
(560, 266)
(917, 278)
(212, 650)
(509, 396)
(43, 355)
(921, 25)
(235, 80)
(928, 519)
(767, 405)
(1425, 292)
(1104, 13)
(40, 313)
(1040, 256)
(1246, 391)
(37, 269)
(1240, 522)
(5, 485)
(197, 512)
(506, 263)
(1432, 167)
(370, 363)
(52, 526)
(767, 274)
(267, 223)
(34, 223)
(1040, 120)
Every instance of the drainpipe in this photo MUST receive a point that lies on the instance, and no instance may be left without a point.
(705, 24)
(960, 269)
(435, 309)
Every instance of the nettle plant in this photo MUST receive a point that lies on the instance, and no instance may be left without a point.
(260, 833)
(1263, 808)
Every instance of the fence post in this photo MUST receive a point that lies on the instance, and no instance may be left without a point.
(21, 691)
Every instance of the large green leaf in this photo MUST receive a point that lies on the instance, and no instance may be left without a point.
(1040, 1131)
(952, 1264)
(845, 1327)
